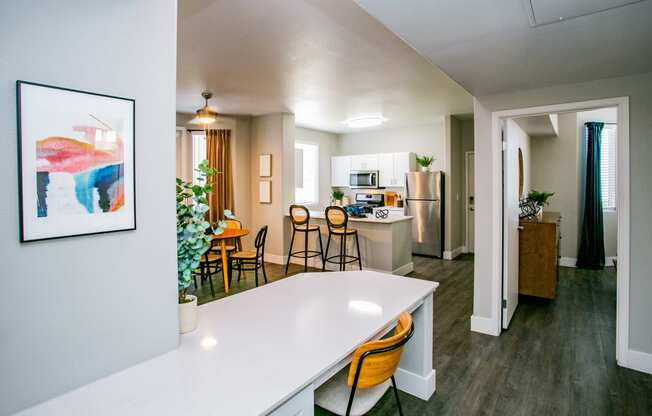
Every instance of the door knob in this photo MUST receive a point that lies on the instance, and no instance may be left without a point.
(520, 228)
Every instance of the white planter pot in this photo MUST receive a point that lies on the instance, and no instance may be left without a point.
(424, 168)
(188, 315)
(540, 214)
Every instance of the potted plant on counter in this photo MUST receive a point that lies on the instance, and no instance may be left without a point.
(424, 162)
(193, 239)
(540, 199)
(336, 197)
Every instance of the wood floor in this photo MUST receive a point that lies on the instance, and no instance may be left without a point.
(557, 358)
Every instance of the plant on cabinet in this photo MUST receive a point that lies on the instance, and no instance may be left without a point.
(336, 197)
(540, 199)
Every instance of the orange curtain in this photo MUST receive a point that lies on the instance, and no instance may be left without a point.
(218, 153)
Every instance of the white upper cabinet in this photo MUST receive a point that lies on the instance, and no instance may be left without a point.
(340, 168)
(404, 162)
(391, 167)
(364, 162)
(386, 169)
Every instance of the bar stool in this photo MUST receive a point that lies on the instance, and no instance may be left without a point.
(300, 217)
(338, 220)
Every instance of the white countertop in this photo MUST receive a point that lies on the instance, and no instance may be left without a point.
(370, 218)
(252, 350)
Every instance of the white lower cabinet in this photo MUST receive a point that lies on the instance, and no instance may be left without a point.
(301, 404)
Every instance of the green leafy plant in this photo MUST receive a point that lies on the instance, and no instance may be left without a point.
(425, 161)
(337, 195)
(193, 240)
(539, 198)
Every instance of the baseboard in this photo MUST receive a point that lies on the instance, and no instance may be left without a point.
(639, 361)
(567, 261)
(316, 263)
(484, 326)
(275, 258)
(414, 384)
(571, 261)
(451, 254)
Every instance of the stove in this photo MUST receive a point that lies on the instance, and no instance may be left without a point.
(364, 204)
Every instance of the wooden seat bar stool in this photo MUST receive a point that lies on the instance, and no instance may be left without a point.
(338, 221)
(300, 218)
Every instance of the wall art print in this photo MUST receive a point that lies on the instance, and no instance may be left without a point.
(76, 164)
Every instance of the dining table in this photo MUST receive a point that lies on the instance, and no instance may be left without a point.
(227, 234)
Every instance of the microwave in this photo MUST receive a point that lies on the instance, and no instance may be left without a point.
(363, 179)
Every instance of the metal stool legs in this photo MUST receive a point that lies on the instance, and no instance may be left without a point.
(305, 253)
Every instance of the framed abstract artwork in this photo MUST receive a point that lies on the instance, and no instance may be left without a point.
(76, 164)
(265, 192)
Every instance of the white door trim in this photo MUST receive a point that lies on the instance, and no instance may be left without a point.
(623, 276)
(469, 248)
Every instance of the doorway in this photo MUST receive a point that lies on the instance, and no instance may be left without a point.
(503, 283)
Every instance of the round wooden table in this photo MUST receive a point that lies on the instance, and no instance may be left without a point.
(226, 235)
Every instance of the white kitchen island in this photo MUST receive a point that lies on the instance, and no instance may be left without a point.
(266, 350)
(385, 244)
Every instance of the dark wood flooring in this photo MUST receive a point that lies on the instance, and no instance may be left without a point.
(557, 358)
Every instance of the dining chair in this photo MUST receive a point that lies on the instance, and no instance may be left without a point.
(338, 226)
(252, 260)
(355, 390)
(212, 258)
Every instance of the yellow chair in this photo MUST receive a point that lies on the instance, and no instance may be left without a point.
(368, 377)
(252, 260)
(338, 226)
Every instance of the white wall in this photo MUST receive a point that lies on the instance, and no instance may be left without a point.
(328, 145)
(639, 90)
(80, 308)
(516, 133)
(273, 134)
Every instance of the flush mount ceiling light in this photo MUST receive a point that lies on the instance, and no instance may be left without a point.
(367, 121)
(206, 114)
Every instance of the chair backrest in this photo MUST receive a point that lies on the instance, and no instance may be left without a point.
(259, 243)
(336, 217)
(299, 215)
(376, 361)
(233, 224)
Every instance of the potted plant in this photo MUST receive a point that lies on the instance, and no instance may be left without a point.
(540, 199)
(336, 197)
(193, 239)
(424, 162)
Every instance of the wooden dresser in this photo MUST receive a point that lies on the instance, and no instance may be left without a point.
(539, 245)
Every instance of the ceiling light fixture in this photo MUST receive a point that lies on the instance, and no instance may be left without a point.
(206, 115)
(367, 121)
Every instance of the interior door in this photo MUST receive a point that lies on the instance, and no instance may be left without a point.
(510, 224)
(470, 202)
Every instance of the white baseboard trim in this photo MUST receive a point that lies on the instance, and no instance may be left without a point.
(275, 258)
(451, 254)
(639, 361)
(572, 261)
(414, 384)
(484, 325)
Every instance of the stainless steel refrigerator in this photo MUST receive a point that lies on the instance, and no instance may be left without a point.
(424, 200)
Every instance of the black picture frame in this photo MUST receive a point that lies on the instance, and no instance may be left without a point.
(20, 142)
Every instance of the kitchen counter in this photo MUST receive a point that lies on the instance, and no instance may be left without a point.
(385, 244)
(391, 219)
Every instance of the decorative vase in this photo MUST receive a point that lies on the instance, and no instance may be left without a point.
(424, 168)
(188, 314)
(540, 214)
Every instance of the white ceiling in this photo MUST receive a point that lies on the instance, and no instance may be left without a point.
(546, 125)
(488, 46)
(324, 60)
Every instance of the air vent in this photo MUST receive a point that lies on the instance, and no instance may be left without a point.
(545, 12)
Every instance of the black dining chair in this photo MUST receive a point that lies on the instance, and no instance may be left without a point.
(252, 260)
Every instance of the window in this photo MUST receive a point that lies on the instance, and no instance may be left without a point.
(198, 152)
(608, 167)
(306, 173)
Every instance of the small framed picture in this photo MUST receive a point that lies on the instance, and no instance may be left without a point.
(265, 166)
(76, 168)
(265, 192)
